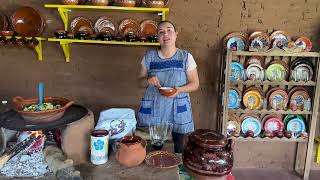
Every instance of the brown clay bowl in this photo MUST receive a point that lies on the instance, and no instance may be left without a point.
(26, 21)
(129, 26)
(100, 2)
(70, 2)
(41, 116)
(127, 3)
(81, 24)
(167, 91)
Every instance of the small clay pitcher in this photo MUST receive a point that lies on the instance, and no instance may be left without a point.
(131, 151)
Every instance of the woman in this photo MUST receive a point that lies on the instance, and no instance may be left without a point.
(169, 67)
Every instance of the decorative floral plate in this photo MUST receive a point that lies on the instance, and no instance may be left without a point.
(296, 126)
(234, 99)
(276, 72)
(251, 124)
(237, 71)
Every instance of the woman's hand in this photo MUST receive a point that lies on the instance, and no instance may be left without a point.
(154, 81)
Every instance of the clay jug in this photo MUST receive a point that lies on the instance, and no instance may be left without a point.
(208, 154)
(131, 151)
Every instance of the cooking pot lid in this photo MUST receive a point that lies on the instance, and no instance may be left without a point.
(12, 120)
(208, 138)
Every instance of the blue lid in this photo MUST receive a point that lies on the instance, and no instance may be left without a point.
(234, 99)
(252, 124)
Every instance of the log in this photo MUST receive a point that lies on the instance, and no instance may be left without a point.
(75, 139)
(58, 163)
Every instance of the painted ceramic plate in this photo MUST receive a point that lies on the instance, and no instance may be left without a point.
(259, 40)
(234, 99)
(273, 124)
(301, 60)
(236, 44)
(304, 43)
(237, 71)
(233, 126)
(300, 97)
(259, 60)
(251, 124)
(148, 28)
(248, 115)
(278, 99)
(296, 126)
(291, 116)
(276, 72)
(266, 117)
(280, 34)
(255, 72)
(236, 41)
(129, 26)
(162, 159)
(252, 100)
(280, 43)
(303, 72)
(81, 24)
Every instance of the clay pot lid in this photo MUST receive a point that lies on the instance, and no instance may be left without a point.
(148, 28)
(81, 23)
(26, 21)
(129, 26)
(208, 139)
(103, 23)
(144, 2)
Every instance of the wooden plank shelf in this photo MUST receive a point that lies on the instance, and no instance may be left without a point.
(271, 111)
(275, 139)
(289, 83)
(276, 53)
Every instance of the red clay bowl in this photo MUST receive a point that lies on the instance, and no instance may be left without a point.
(167, 91)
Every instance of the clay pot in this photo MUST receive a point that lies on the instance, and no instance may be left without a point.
(208, 153)
(70, 2)
(155, 3)
(100, 2)
(131, 151)
(126, 3)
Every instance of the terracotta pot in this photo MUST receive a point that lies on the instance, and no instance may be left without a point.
(131, 151)
(208, 153)
(70, 2)
(100, 2)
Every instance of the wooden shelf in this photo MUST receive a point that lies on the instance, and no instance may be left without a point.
(38, 48)
(272, 111)
(64, 10)
(312, 117)
(65, 44)
(275, 139)
(276, 53)
(290, 83)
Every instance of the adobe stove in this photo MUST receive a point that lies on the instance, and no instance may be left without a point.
(33, 149)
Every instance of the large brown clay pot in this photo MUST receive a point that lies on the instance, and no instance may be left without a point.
(131, 151)
(208, 154)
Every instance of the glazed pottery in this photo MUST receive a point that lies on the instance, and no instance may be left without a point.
(70, 2)
(100, 2)
(208, 153)
(127, 3)
(131, 151)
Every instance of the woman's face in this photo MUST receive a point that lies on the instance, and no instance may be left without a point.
(166, 34)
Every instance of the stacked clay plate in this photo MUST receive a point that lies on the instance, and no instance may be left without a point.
(277, 70)
(250, 122)
(253, 98)
(255, 68)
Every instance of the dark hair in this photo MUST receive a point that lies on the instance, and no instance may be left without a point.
(166, 21)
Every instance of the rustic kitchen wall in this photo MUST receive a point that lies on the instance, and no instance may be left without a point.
(104, 76)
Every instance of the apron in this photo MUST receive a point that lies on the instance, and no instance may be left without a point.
(156, 108)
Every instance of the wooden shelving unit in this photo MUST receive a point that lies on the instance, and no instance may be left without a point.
(65, 9)
(311, 116)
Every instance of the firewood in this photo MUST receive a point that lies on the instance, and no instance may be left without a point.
(11, 152)
(58, 163)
